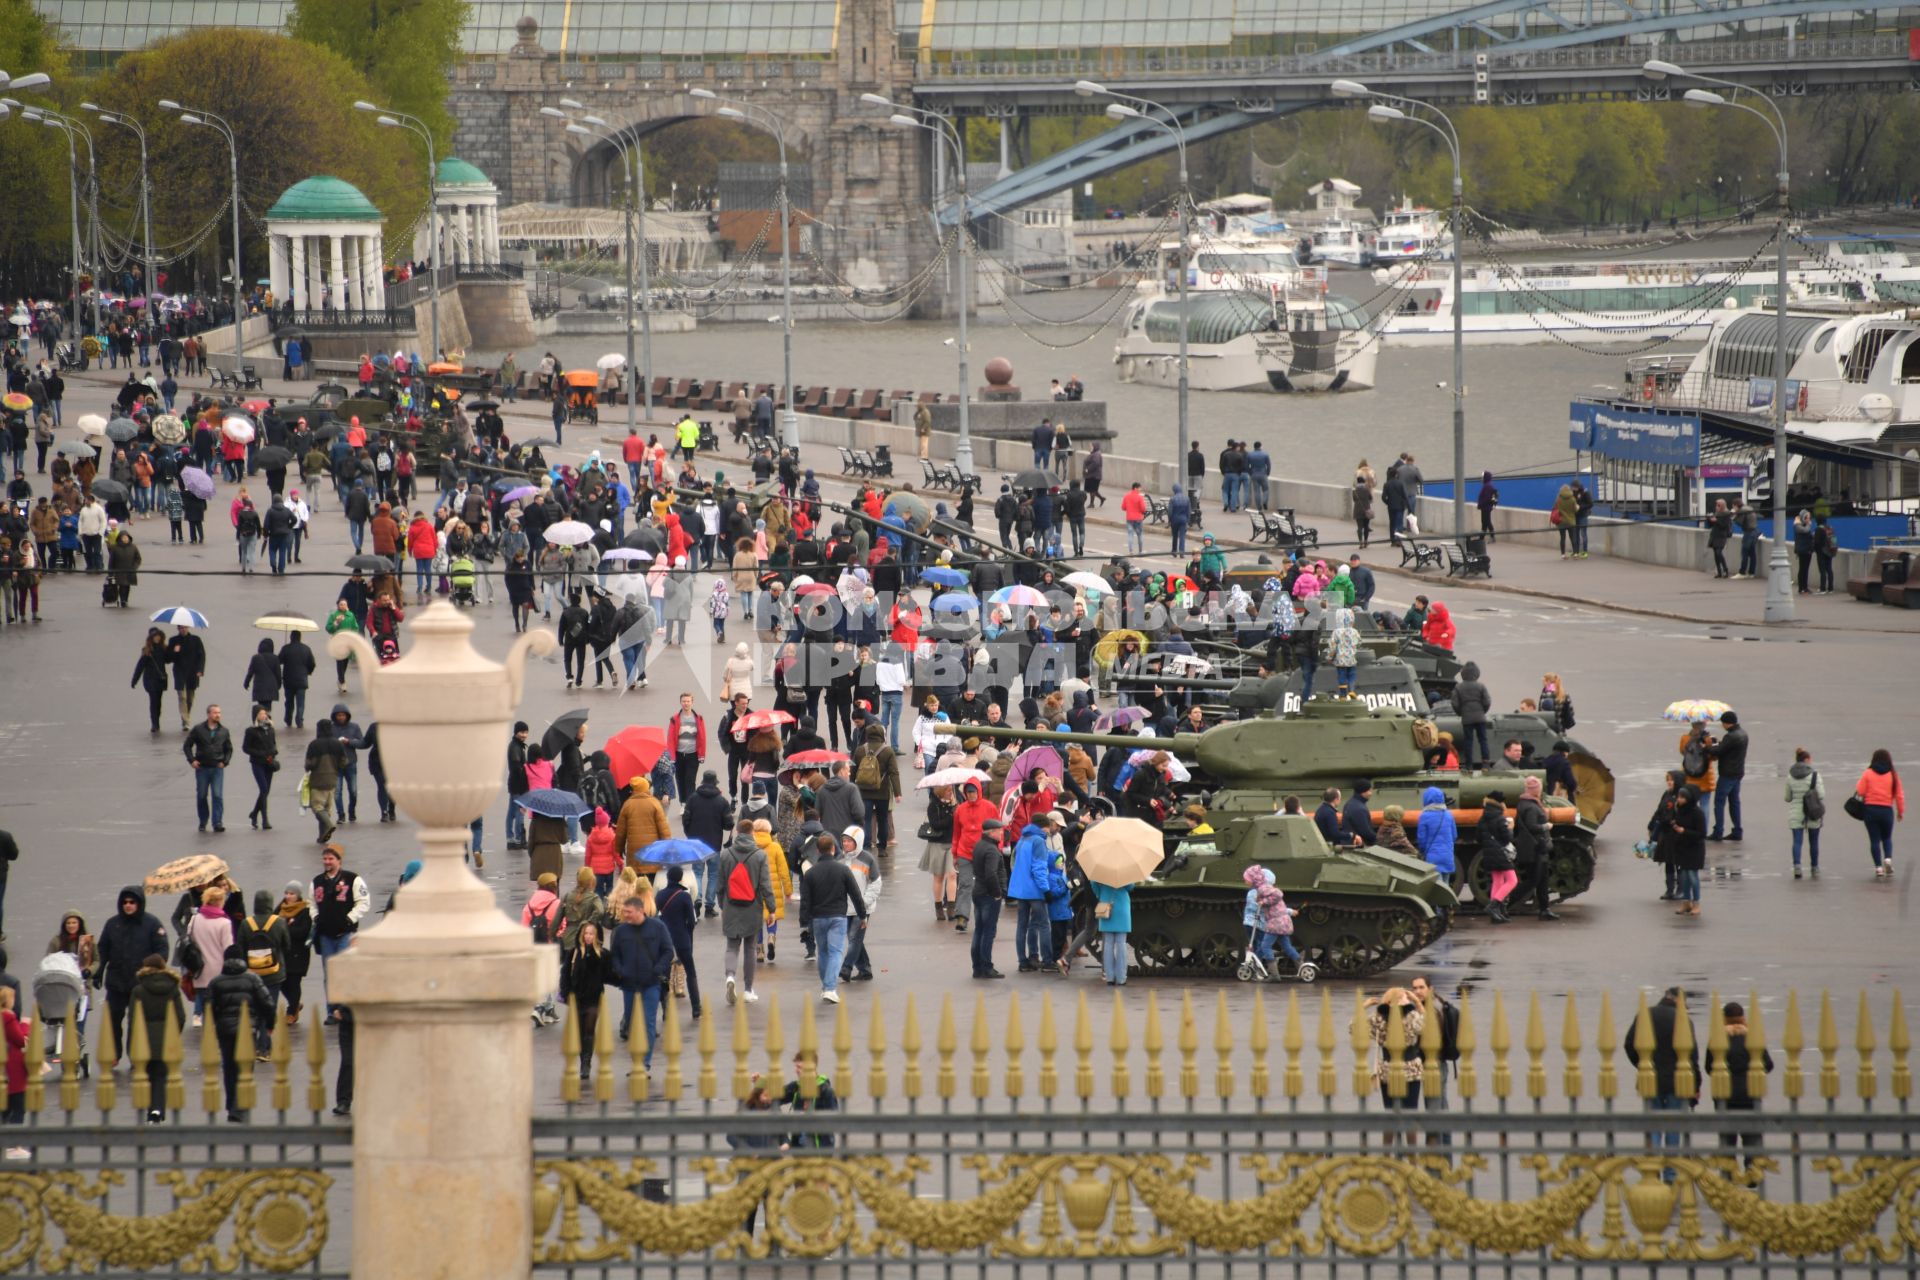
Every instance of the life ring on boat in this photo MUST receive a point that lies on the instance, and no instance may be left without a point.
(1646, 388)
(1215, 278)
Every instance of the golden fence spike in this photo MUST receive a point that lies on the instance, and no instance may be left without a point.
(603, 1047)
(1756, 1049)
(1899, 1044)
(282, 1062)
(1189, 1048)
(674, 1087)
(1466, 1042)
(910, 1046)
(743, 1053)
(1154, 1041)
(1432, 1042)
(1719, 1080)
(945, 1042)
(1324, 1041)
(1259, 1080)
(1643, 1050)
(1604, 1041)
(243, 1089)
(1685, 1084)
(1536, 1048)
(1864, 1044)
(106, 1095)
(570, 1047)
(210, 1081)
(1083, 1049)
(808, 1045)
(708, 1041)
(1293, 1038)
(1501, 1040)
(1572, 1083)
(1049, 1044)
(1829, 1043)
(1793, 1042)
(139, 1055)
(982, 1044)
(36, 1056)
(1360, 1037)
(1222, 1046)
(842, 1051)
(316, 1066)
(637, 1082)
(1119, 1043)
(773, 1037)
(1393, 1053)
(876, 1052)
(1016, 1047)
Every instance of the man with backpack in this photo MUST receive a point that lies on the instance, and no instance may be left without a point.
(263, 936)
(876, 772)
(541, 915)
(746, 897)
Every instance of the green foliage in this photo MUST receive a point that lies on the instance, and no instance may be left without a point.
(690, 154)
(405, 48)
(34, 218)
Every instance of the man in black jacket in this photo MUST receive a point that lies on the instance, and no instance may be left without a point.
(1474, 705)
(988, 875)
(188, 657)
(1533, 844)
(296, 672)
(1357, 815)
(209, 749)
(126, 941)
(1667, 1096)
(236, 988)
(827, 891)
(1730, 754)
(517, 786)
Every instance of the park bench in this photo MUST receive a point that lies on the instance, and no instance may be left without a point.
(1421, 555)
(1467, 557)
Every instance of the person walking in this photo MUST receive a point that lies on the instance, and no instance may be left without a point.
(296, 913)
(123, 565)
(153, 995)
(1362, 498)
(297, 664)
(1729, 755)
(125, 943)
(208, 934)
(209, 749)
(326, 760)
(1133, 508)
(1884, 802)
(642, 963)
(340, 902)
(876, 772)
(1664, 1019)
(187, 655)
(263, 678)
(1488, 499)
(746, 897)
(264, 937)
(679, 913)
(584, 973)
(262, 750)
(829, 890)
(233, 988)
(1739, 1061)
(1806, 798)
(1689, 848)
(150, 673)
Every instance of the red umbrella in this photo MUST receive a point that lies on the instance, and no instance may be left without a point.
(634, 751)
(822, 757)
(762, 720)
(813, 589)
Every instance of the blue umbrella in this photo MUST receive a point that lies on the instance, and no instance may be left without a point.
(179, 615)
(943, 576)
(673, 853)
(551, 803)
(955, 602)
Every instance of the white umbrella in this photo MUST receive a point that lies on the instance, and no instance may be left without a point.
(91, 424)
(237, 429)
(1088, 582)
(626, 553)
(568, 533)
(950, 778)
(611, 360)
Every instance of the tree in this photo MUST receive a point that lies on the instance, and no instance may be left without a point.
(34, 218)
(405, 48)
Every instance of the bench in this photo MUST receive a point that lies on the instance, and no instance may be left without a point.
(1467, 557)
(934, 476)
(866, 405)
(1280, 527)
(852, 463)
(1156, 509)
(1421, 555)
(1901, 595)
(881, 460)
(1889, 564)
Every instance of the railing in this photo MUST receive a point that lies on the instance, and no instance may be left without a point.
(490, 271)
(1192, 1133)
(385, 320)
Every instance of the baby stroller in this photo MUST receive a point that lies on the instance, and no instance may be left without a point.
(1254, 969)
(460, 575)
(583, 405)
(61, 994)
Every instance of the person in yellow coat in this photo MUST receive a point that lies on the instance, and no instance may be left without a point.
(782, 880)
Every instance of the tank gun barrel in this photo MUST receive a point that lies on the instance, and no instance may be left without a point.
(1185, 745)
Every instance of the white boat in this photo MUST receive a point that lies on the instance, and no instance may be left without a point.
(1627, 302)
(1340, 242)
(1410, 233)
(1243, 341)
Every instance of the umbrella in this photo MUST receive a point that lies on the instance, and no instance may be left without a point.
(955, 602)
(109, 490)
(74, 447)
(1118, 852)
(802, 580)
(16, 401)
(1019, 595)
(286, 620)
(950, 778)
(255, 406)
(568, 533)
(910, 507)
(549, 803)
(1033, 478)
(1187, 664)
(1088, 581)
(191, 872)
(1175, 770)
(370, 563)
(91, 424)
(271, 457)
(626, 553)
(1688, 710)
(383, 360)
(754, 720)
(635, 750)
(564, 729)
(642, 537)
(1034, 760)
(520, 493)
(168, 429)
(479, 405)
(672, 853)
(813, 589)
(178, 615)
(196, 482)
(327, 431)
(807, 759)
(1116, 719)
(1074, 684)
(1178, 582)
(237, 429)
(942, 576)
(1106, 651)
(611, 360)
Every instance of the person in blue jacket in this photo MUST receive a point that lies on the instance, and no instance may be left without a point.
(1059, 905)
(1436, 832)
(1028, 885)
(642, 954)
(1114, 928)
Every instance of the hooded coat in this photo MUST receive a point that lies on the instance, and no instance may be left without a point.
(1438, 629)
(744, 919)
(156, 997)
(1470, 697)
(642, 821)
(1031, 859)
(263, 675)
(126, 941)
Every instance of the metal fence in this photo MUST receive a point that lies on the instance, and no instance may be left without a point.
(385, 320)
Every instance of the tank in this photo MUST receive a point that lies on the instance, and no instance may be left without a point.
(1249, 767)
(1362, 911)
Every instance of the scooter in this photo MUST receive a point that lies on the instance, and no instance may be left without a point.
(1254, 969)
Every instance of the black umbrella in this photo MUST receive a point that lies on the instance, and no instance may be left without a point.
(564, 729)
(645, 538)
(271, 457)
(1033, 478)
(109, 491)
(370, 564)
(478, 405)
(121, 430)
(327, 430)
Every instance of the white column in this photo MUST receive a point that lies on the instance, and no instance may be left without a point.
(337, 272)
(316, 273)
(277, 267)
(493, 232)
(466, 235)
(297, 257)
(374, 273)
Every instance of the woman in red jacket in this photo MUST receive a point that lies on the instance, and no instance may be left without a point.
(969, 820)
(422, 544)
(1886, 800)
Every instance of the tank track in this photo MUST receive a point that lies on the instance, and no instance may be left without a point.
(1570, 874)
(1347, 937)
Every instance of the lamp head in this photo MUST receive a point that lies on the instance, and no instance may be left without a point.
(579, 128)
(1703, 98)
(553, 113)
(876, 100)
(33, 113)
(1090, 88)
(706, 94)
(362, 104)
(9, 103)
(34, 81)
(168, 104)
(386, 122)
(1121, 111)
(731, 113)
(901, 121)
(90, 106)
(190, 118)
(1381, 113)
(596, 120)
(1349, 89)
(1656, 69)
(573, 104)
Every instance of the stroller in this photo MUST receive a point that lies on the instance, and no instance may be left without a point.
(460, 576)
(60, 992)
(1254, 969)
(583, 405)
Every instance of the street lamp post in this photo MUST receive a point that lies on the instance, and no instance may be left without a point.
(1132, 108)
(912, 117)
(735, 110)
(1779, 605)
(146, 188)
(1381, 113)
(189, 115)
(52, 119)
(388, 118)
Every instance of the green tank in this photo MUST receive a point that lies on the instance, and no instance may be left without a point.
(1245, 768)
(1362, 911)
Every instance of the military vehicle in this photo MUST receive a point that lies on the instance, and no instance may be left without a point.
(1249, 767)
(1362, 910)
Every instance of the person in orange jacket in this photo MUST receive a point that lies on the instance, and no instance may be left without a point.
(1886, 803)
(422, 544)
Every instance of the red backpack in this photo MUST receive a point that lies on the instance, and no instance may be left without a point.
(740, 887)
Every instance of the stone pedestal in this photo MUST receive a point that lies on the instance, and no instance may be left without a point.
(440, 988)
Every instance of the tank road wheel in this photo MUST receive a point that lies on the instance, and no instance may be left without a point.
(1317, 914)
(1347, 955)
(1155, 953)
(1570, 873)
(1217, 953)
(1480, 880)
(1400, 934)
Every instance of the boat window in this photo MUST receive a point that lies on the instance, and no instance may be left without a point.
(1866, 352)
(1910, 363)
(1825, 340)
